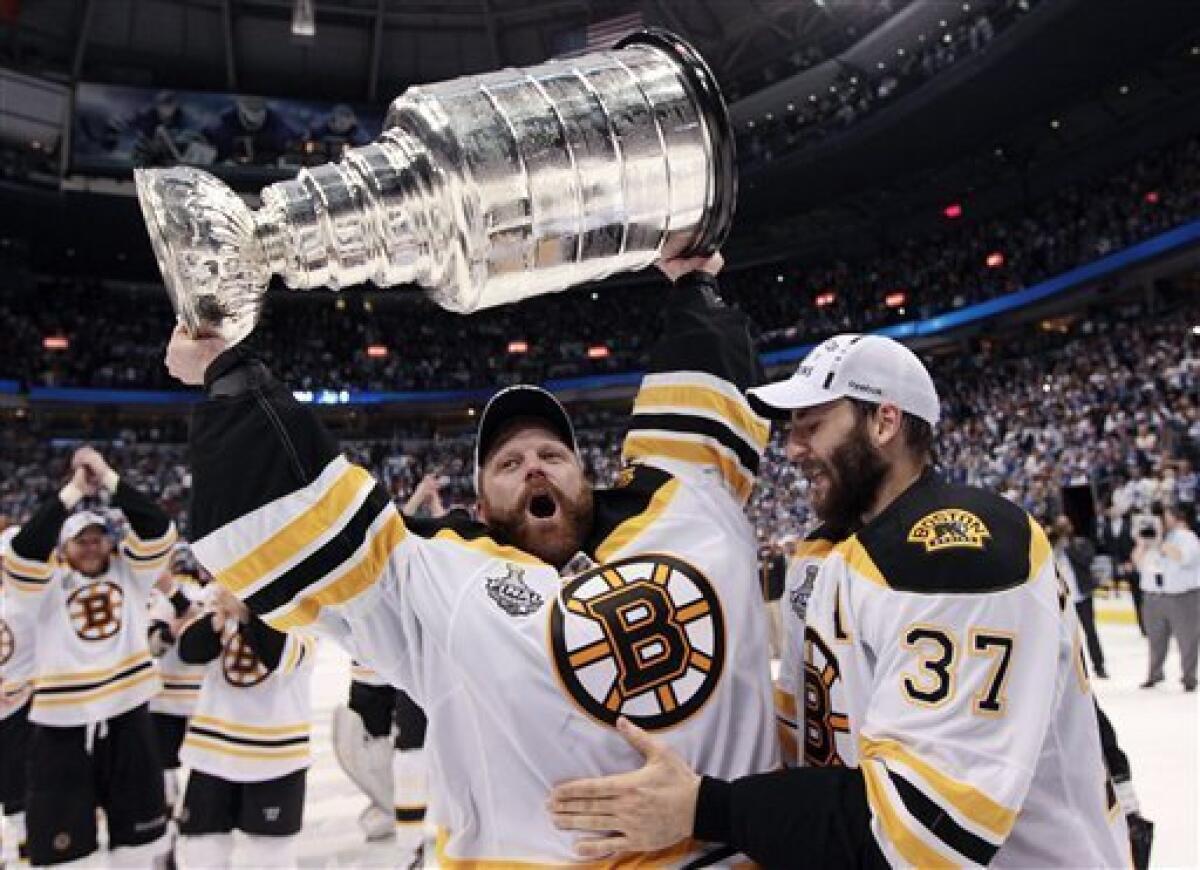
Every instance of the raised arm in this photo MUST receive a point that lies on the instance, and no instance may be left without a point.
(691, 414)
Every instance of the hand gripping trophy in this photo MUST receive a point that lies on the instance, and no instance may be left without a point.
(484, 190)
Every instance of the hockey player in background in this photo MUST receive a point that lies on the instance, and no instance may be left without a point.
(16, 689)
(93, 745)
(248, 743)
(948, 719)
(174, 601)
(525, 636)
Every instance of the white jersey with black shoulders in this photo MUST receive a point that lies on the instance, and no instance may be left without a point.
(522, 672)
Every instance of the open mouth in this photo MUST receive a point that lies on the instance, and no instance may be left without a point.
(543, 506)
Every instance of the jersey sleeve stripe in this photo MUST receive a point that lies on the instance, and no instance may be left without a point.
(892, 825)
(715, 399)
(970, 803)
(27, 569)
(149, 549)
(316, 513)
(686, 424)
(21, 584)
(336, 550)
(642, 446)
(367, 566)
(629, 531)
(939, 823)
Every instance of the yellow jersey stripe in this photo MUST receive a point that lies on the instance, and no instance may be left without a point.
(351, 583)
(912, 848)
(91, 676)
(973, 804)
(89, 697)
(736, 413)
(818, 548)
(629, 531)
(860, 562)
(1039, 548)
(262, 754)
(490, 547)
(301, 729)
(27, 567)
(693, 450)
(152, 547)
(298, 534)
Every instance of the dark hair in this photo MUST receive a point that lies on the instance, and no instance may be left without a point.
(918, 434)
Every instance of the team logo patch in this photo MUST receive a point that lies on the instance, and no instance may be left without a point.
(949, 528)
(642, 637)
(7, 643)
(514, 596)
(240, 665)
(95, 610)
(801, 594)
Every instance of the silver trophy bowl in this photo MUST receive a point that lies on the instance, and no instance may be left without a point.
(484, 190)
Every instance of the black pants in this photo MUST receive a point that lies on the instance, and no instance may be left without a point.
(119, 772)
(14, 759)
(273, 808)
(1087, 618)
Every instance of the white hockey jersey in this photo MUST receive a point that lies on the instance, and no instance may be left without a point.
(942, 658)
(180, 681)
(17, 655)
(252, 722)
(523, 672)
(93, 661)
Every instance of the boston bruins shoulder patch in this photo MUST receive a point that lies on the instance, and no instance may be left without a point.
(642, 637)
(948, 528)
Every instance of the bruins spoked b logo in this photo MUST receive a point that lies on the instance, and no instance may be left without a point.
(241, 666)
(95, 610)
(7, 644)
(642, 637)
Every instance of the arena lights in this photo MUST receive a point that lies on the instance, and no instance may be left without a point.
(896, 299)
(1151, 197)
(597, 351)
(1196, 330)
(377, 351)
(518, 347)
(994, 260)
(953, 211)
(824, 300)
(55, 342)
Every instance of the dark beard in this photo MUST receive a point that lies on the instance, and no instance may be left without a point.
(559, 546)
(856, 474)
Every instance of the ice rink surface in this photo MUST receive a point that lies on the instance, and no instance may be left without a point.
(1158, 728)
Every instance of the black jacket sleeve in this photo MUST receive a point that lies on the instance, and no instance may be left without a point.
(199, 643)
(266, 642)
(806, 816)
(39, 535)
(147, 520)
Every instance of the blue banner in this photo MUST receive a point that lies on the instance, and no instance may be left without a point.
(1173, 240)
(116, 128)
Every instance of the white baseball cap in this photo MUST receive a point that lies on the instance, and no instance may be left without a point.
(872, 368)
(6, 537)
(76, 523)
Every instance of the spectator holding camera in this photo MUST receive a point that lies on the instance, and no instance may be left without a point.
(1169, 567)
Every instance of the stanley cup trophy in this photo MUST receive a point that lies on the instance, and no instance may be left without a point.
(483, 190)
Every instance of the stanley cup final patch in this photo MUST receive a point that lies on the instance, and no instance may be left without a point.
(513, 595)
(949, 528)
(642, 637)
